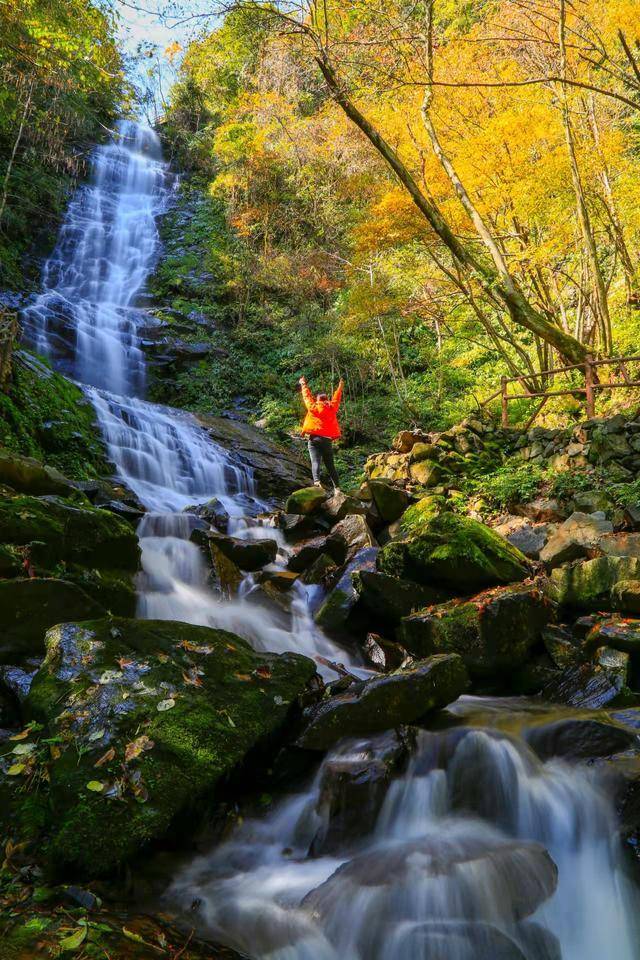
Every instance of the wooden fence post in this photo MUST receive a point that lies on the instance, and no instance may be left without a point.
(505, 405)
(588, 384)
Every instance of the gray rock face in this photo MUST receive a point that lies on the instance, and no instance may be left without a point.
(574, 538)
(343, 598)
(385, 702)
(278, 469)
(526, 536)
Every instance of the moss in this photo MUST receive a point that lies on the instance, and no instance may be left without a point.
(305, 501)
(455, 552)
(227, 699)
(588, 585)
(46, 416)
(420, 514)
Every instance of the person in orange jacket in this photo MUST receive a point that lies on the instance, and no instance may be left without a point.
(322, 428)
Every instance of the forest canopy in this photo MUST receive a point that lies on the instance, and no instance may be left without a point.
(435, 193)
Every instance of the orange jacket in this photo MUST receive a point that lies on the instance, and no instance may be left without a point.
(322, 415)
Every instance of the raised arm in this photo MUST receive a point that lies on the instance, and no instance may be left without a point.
(337, 396)
(307, 397)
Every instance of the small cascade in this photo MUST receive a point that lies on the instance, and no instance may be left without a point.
(460, 865)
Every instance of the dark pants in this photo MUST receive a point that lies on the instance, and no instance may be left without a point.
(321, 451)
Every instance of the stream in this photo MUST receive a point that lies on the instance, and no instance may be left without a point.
(455, 857)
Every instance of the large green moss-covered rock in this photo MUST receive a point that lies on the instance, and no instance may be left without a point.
(26, 475)
(28, 607)
(588, 585)
(385, 702)
(388, 599)
(147, 718)
(390, 500)
(454, 552)
(492, 633)
(57, 531)
(305, 501)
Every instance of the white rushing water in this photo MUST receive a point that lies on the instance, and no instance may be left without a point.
(86, 320)
(454, 863)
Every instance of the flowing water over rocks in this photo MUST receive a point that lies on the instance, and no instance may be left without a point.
(469, 847)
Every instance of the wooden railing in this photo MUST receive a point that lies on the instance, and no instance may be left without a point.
(531, 388)
(8, 338)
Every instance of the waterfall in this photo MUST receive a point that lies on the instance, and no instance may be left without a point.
(458, 866)
(460, 861)
(86, 320)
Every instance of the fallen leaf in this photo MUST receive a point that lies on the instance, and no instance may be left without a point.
(96, 735)
(136, 747)
(110, 676)
(16, 769)
(243, 676)
(75, 939)
(21, 736)
(23, 749)
(164, 705)
(95, 786)
(55, 751)
(231, 723)
(192, 678)
(106, 758)
(263, 672)
(123, 662)
(162, 657)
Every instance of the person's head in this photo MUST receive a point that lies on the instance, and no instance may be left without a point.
(323, 397)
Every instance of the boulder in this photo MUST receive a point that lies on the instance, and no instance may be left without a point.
(340, 505)
(308, 552)
(28, 607)
(404, 441)
(542, 510)
(426, 473)
(246, 554)
(593, 683)
(320, 570)
(385, 702)
(384, 655)
(492, 633)
(148, 717)
(620, 545)
(354, 782)
(579, 739)
(26, 475)
(587, 585)
(343, 598)
(391, 501)
(625, 596)
(56, 530)
(616, 633)
(561, 645)
(294, 525)
(424, 451)
(456, 553)
(525, 536)
(389, 599)
(306, 501)
(606, 446)
(356, 533)
(574, 538)
(212, 512)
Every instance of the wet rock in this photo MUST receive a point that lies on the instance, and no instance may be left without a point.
(561, 645)
(523, 872)
(593, 683)
(16, 681)
(616, 633)
(306, 501)
(456, 553)
(385, 702)
(212, 512)
(383, 654)
(168, 709)
(29, 607)
(308, 552)
(587, 585)
(625, 596)
(340, 505)
(247, 554)
(294, 526)
(574, 739)
(353, 787)
(389, 599)
(462, 939)
(356, 533)
(343, 598)
(320, 570)
(391, 501)
(493, 632)
(278, 469)
(574, 538)
(26, 475)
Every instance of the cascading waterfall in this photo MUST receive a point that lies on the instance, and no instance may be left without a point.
(461, 859)
(458, 865)
(86, 320)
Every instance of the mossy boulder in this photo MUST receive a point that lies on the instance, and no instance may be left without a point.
(419, 515)
(343, 598)
(588, 585)
(426, 473)
(456, 553)
(245, 554)
(388, 599)
(57, 530)
(28, 607)
(391, 501)
(493, 632)
(26, 475)
(306, 501)
(385, 702)
(148, 717)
